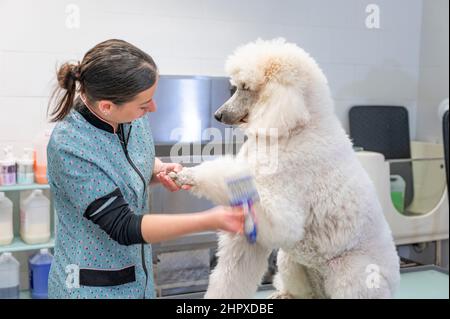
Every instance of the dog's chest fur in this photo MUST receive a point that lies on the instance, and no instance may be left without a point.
(321, 194)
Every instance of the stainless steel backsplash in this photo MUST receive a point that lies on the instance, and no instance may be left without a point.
(185, 109)
(186, 106)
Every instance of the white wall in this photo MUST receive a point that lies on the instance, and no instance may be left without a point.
(195, 37)
(434, 69)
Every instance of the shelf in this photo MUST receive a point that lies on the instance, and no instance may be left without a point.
(25, 294)
(19, 245)
(14, 196)
(17, 187)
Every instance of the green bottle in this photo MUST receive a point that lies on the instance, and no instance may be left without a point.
(398, 187)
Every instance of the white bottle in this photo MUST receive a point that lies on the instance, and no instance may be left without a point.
(9, 277)
(8, 168)
(6, 220)
(35, 218)
(25, 170)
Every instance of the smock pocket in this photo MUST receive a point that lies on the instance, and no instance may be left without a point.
(107, 277)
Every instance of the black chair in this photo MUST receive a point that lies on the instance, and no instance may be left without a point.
(446, 140)
(385, 129)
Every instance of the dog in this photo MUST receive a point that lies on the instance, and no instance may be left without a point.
(317, 205)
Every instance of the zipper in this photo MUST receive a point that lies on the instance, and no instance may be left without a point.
(144, 266)
(124, 143)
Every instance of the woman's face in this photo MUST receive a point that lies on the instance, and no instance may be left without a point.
(142, 104)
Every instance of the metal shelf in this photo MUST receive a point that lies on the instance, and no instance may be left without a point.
(201, 240)
(19, 245)
(17, 187)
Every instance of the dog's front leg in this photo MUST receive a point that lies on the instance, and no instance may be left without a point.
(209, 178)
(239, 270)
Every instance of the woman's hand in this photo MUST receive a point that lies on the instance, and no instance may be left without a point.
(230, 219)
(161, 175)
(160, 227)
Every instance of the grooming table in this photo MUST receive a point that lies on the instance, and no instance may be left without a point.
(422, 282)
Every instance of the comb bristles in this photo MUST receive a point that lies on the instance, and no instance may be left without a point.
(242, 189)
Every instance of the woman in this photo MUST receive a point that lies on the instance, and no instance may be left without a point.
(101, 159)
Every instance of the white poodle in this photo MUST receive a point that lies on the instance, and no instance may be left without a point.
(317, 204)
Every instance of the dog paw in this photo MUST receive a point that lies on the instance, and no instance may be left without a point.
(184, 177)
(280, 295)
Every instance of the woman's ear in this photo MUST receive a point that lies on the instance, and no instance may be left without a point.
(282, 108)
(105, 107)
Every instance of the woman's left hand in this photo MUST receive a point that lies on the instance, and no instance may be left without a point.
(162, 176)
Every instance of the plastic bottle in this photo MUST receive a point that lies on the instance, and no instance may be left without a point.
(9, 277)
(40, 167)
(8, 168)
(39, 269)
(398, 188)
(25, 168)
(6, 220)
(35, 218)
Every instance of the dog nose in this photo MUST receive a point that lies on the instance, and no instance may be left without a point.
(218, 116)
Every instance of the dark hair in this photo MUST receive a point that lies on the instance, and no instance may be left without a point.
(113, 70)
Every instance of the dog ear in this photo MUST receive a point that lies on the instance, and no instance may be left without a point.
(281, 107)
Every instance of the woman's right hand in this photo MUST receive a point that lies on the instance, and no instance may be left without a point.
(230, 219)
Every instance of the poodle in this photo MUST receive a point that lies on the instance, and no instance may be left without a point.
(317, 204)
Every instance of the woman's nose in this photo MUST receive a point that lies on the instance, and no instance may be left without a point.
(152, 107)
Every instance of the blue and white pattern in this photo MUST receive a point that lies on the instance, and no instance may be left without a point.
(84, 164)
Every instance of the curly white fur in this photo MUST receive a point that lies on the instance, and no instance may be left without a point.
(318, 207)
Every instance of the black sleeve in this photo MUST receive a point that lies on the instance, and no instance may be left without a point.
(112, 213)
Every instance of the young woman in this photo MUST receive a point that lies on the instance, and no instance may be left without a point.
(101, 159)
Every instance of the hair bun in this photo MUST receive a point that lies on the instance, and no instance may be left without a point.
(67, 75)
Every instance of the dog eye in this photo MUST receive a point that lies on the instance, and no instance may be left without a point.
(244, 87)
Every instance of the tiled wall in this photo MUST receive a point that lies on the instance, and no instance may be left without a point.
(434, 77)
(195, 37)
(434, 68)
(364, 66)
